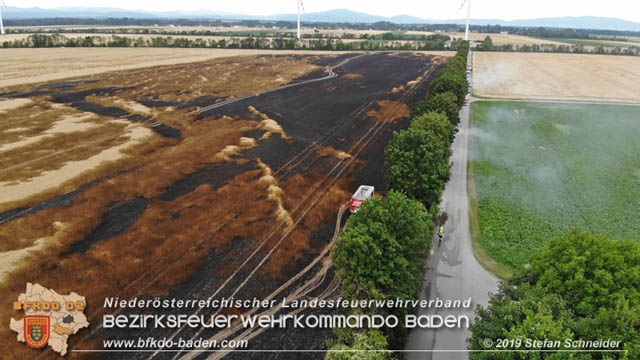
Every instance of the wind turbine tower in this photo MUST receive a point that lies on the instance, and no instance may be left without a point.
(300, 7)
(1, 24)
(466, 35)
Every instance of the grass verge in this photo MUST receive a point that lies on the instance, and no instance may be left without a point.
(496, 268)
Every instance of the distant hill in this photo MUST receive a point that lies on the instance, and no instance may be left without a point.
(338, 15)
(344, 15)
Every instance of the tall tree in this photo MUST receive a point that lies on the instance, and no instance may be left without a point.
(580, 286)
(417, 165)
(444, 102)
(453, 82)
(380, 255)
(487, 43)
(436, 122)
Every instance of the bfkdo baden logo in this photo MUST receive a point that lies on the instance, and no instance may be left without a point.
(49, 318)
(36, 330)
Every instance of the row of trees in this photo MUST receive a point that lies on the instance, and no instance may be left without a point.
(556, 32)
(382, 253)
(57, 40)
(417, 158)
(487, 45)
(579, 287)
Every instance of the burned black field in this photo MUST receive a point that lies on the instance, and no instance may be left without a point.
(334, 113)
(236, 201)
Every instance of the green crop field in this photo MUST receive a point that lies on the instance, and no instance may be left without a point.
(541, 170)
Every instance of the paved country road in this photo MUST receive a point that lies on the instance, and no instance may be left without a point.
(454, 273)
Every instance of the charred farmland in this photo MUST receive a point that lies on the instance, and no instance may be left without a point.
(339, 114)
(259, 210)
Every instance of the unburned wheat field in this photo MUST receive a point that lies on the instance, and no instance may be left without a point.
(571, 77)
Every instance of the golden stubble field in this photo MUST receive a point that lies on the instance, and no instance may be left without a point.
(581, 77)
(44, 144)
(24, 66)
(504, 39)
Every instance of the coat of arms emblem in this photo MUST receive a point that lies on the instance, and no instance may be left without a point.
(36, 330)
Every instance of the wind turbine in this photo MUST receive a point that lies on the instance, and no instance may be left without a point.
(1, 24)
(468, 2)
(300, 6)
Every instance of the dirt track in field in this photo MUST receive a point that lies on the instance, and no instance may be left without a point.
(240, 202)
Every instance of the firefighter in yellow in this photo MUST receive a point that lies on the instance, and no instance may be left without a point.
(440, 234)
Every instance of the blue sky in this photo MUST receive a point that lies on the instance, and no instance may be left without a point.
(437, 9)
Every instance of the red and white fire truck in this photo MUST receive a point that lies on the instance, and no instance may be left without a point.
(364, 192)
